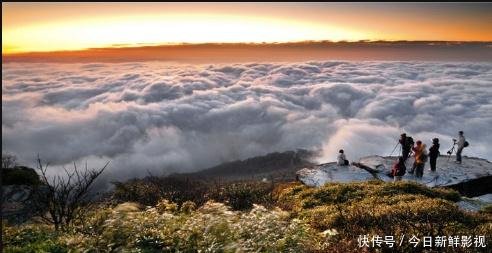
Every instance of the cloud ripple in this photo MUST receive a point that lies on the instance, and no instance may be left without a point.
(166, 117)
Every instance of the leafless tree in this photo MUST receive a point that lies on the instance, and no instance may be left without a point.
(8, 161)
(62, 199)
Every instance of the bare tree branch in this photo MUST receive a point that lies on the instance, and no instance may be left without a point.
(63, 199)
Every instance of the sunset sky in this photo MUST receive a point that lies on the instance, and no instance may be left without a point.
(32, 27)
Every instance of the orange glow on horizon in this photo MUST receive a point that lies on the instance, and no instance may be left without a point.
(41, 27)
(135, 30)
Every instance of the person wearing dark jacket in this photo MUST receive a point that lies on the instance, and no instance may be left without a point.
(434, 153)
(406, 146)
(399, 169)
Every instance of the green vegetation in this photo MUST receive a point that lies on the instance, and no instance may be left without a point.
(12, 174)
(377, 208)
(211, 228)
(148, 191)
(239, 195)
(19, 175)
(296, 218)
(32, 238)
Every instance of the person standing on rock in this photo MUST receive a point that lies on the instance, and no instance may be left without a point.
(433, 154)
(406, 143)
(342, 160)
(462, 143)
(415, 154)
(421, 160)
(420, 155)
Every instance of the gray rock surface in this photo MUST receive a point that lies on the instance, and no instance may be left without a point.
(378, 167)
(476, 203)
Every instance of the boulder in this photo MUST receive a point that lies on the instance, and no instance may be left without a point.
(331, 172)
(448, 173)
(476, 203)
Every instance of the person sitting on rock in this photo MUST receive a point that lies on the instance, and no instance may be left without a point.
(399, 169)
(342, 160)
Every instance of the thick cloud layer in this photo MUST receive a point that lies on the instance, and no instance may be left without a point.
(163, 117)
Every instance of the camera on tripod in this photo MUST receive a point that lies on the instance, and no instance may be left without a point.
(452, 148)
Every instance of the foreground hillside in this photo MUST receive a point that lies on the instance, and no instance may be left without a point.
(294, 218)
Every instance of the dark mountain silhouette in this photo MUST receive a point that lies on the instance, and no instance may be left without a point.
(278, 165)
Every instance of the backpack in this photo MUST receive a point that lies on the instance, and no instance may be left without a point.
(409, 142)
(466, 144)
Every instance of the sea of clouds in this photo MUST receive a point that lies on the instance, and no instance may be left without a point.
(162, 117)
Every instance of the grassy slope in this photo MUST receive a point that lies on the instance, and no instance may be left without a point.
(301, 219)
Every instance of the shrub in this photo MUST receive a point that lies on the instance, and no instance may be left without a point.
(148, 191)
(165, 205)
(487, 209)
(136, 191)
(187, 207)
(63, 199)
(242, 195)
(325, 219)
(31, 238)
(379, 208)
(19, 175)
(211, 228)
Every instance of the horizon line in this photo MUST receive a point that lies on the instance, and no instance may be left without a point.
(174, 44)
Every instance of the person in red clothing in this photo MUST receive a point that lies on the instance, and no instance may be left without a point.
(399, 169)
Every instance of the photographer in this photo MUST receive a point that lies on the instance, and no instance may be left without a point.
(461, 144)
(406, 143)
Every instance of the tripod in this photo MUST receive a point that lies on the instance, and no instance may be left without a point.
(394, 148)
(450, 152)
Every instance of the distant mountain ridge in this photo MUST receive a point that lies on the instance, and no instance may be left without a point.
(277, 165)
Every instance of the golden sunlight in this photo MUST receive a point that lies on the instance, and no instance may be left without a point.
(28, 27)
(169, 29)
